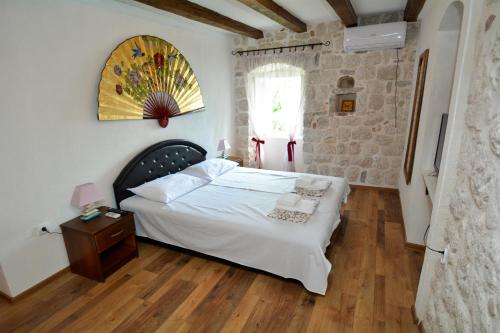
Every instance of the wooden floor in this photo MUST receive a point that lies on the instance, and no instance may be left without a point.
(371, 288)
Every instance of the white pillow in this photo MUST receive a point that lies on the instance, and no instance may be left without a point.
(168, 188)
(210, 169)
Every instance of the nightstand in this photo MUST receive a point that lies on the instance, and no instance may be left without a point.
(236, 159)
(99, 247)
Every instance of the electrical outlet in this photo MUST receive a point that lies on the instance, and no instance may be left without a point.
(444, 258)
(37, 231)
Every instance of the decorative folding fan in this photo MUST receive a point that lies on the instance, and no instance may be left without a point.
(147, 78)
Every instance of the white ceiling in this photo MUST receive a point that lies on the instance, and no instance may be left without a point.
(367, 7)
(309, 11)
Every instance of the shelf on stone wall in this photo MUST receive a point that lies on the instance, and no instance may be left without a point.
(430, 181)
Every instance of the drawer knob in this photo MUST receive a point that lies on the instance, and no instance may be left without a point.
(117, 233)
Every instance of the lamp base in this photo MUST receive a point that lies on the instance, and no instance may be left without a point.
(90, 216)
(224, 155)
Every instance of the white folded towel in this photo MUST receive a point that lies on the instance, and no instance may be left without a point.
(305, 206)
(304, 181)
(311, 183)
(321, 184)
(288, 200)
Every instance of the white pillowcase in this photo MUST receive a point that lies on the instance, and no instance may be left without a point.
(210, 169)
(168, 188)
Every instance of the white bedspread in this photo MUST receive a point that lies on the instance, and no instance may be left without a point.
(228, 222)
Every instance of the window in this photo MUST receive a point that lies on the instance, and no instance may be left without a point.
(278, 97)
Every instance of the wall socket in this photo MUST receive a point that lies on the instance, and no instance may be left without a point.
(444, 258)
(37, 231)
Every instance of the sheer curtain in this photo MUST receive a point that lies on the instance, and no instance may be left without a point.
(265, 75)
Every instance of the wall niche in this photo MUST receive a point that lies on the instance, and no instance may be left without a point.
(345, 95)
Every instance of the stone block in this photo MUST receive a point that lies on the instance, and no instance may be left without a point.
(383, 140)
(240, 93)
(324, 169)
(392, 150)
(308, 148)
(363, 161)
(331, 61)
(386, 72)
(375, 87)
(376, 102)
(337, 172)
(375, 176)
(352, 61)
(344, 133)
(352, 173)
(354, 148)
(242, 106)
(361, 133)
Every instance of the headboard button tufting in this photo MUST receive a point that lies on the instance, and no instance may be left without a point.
(158, 160)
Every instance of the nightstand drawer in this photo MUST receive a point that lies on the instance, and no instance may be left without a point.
(114, 234)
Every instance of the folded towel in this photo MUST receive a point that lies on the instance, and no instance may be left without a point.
(321, 184)
(312, 183)
(288, 199)
(304, 181)
(306, 193)
(305, 206)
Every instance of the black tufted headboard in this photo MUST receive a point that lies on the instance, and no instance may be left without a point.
(156, 161)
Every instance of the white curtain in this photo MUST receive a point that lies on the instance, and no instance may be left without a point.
(265, 76)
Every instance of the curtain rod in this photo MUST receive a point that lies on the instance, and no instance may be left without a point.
(281, 48)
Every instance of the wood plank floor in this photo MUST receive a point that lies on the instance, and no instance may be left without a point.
(371, 288)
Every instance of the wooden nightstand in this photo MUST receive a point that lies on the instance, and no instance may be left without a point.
(236, 159)
(100, 246)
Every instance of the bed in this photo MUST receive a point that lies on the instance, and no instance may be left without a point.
(227, 218)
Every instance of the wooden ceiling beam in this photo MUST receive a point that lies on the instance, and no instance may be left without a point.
(413, 8)
(276, 13)
(201, 14)
(345, 11)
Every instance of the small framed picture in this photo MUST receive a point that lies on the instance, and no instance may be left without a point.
(347, 105)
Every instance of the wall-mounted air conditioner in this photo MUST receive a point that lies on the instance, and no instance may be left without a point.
(375, 37)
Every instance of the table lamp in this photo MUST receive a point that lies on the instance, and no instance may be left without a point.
(86, 197)
(223, 146)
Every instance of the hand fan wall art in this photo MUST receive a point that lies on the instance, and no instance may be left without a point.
(147, 78)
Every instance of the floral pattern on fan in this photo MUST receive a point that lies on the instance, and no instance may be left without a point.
(147, 78)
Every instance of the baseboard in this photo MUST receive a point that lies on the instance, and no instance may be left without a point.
(35, 287)
(415, 247)
(416, 320)
(6, 297)
(378, 188)
(408, 245)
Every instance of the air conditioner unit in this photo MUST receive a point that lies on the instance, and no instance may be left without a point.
(375, 37)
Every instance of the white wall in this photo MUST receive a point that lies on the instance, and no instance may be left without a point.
(417, 211)
(416, 205)
(52, 56)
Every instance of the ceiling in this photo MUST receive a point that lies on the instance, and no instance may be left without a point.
(309, 11)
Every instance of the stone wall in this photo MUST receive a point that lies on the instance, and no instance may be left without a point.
(365, 146)
(465, 294)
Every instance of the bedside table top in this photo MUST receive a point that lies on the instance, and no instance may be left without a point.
(95, 225)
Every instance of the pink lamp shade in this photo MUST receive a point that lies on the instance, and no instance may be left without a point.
(223, 145)
(85, 194)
